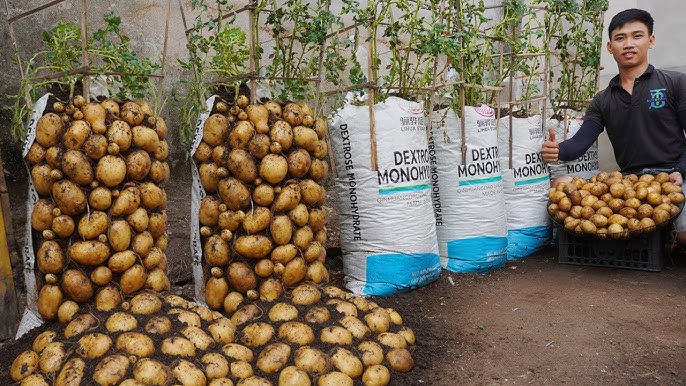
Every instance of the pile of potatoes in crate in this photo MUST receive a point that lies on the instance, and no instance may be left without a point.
(615, 205)
(99, 225)
(269, 318)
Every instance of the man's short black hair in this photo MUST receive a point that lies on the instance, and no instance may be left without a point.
(629, 15)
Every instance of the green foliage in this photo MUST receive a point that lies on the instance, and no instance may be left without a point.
(217, 54)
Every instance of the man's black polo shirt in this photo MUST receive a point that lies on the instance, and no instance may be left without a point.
(643, 126)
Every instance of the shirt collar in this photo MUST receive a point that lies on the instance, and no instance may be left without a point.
(615, 81)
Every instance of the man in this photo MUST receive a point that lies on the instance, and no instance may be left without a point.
(643, 110)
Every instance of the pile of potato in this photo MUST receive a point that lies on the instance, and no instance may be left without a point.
(261, 221)
(321, 336)
(615, 205)
(99, 224)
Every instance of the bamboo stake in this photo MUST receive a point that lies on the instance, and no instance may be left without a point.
(252, 38)
(32, 11)
(164, 44)
(85, 82)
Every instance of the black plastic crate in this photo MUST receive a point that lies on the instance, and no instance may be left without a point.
(642, 252)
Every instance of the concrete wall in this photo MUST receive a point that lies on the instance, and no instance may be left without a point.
(667, 53)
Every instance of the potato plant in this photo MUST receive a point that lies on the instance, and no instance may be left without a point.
(100, 218)
(612, 205)
(261, 221)
(321, 336)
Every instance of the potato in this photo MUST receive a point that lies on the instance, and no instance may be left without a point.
(119, 235)
(36, 154)
(216, 290)
(282, 133)
(49, 130)
(178, 346)
(243, 371)
(157, 280)
(77, 167)
(321, 149)
(259, 116)
(133, 279)
(159, 172)
(241, 277)
(24, 365)
(52, 357)
(108, 299)
(336, 335)
(270, 289)
(273, 168)
(357, 328)
(142, 243)
(198, 337)
(42, 179)
(101, 275)
(264, 268)
(293, 376)
(392, 340)
(111, 369)
(302, 237)
(157, 224)
(253, 246)
(237, 352)
(299, 162)
(76, 285)
(215, 129)
(240, 135)
(111, 170)
(121, 322)
(126, 202)
(288, 198)
(100, 198)
(296, 332)
(400, 360)
(152, 196)
(50, 257)
(158, 325)
(209, 211)
(282, 312)
(242, 166)
(69, 197)
(91, 252)
(317, 273)
(133, 113)
(376, 375)
(72, 373)
(42, 216)
(223, 330)
(347, 363)
(135, 343)
(216, 252)
(317, 315)
(305, 294)
(138, 164)
(273, 357)
(292, 113)
(256, 334)
(294, 272)
(258, 146)
(66, 311)
(63, 226)
(95, 146)
(216, 365)
(188, 374)
(234, 194)
(93, 346)
(145, 304)
(257, 220)
(283, 253)
(312, 193)
(53, 156)
(34, 380)
(188, 318)
(305, 137)
(155, 258)
(42, 340)
(145, 138)
(92, 225)
(311, 360)
(378, 320)
(281, 229)
(319, 169)
(151, 372)
(81, 323)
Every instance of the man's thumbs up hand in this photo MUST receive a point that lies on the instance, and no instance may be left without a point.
(550, 149)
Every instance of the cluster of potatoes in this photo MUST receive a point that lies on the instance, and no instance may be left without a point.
(261, 221)
(100, 220)
(615, 205)
(321, 336)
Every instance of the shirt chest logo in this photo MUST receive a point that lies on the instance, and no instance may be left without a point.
(658, 99)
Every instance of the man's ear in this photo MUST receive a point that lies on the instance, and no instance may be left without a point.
(652, 41)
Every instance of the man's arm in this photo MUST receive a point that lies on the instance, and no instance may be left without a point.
(574, 147)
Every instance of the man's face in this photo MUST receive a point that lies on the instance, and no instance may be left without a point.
(630, 43)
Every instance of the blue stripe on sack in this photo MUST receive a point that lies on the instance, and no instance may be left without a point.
(532, 180)
(476, 254)
(403, 189)
(391, 273)
(525, 242)
(479, 181)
